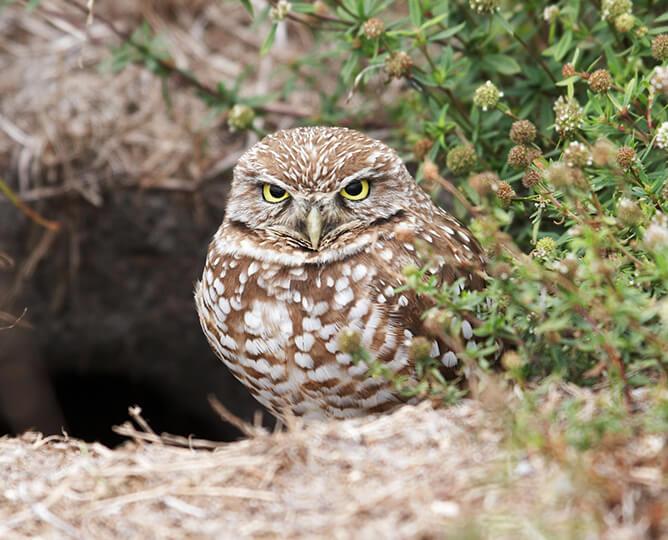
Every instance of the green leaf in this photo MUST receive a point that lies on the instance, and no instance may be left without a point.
(434, 21)
(269, 40)
(303, 7)
(629, 90)
(248, 7)
(348, 68)
(501, 63)
(415, 12)
(509, 28)
(570, 81)
(445, 34)
(560, 50)
(614, 101)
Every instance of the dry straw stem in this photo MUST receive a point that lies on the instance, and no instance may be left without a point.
(418, 472)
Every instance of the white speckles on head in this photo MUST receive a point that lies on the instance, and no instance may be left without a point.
(403, 301)
(330, 281)
(388, 291)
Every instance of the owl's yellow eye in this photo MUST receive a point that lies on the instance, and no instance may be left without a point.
(273, 193)
(357, 190)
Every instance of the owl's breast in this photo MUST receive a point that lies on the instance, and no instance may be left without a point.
(277, 329)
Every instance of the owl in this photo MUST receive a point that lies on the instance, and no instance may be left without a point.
(319, 224)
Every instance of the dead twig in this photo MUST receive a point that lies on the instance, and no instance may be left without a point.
(225, 414)
(29, 212)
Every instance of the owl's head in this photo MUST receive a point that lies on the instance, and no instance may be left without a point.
(310, 186)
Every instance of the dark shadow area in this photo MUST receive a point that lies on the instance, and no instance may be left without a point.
(111, 319)
(92, 404)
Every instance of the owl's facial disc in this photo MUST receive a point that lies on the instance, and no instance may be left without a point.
(317, 189)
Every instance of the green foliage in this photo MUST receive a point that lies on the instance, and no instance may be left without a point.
(570, 203)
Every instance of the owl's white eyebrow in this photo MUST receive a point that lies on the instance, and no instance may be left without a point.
(268, 179)
(366, 173)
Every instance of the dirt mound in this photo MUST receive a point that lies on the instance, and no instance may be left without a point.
(417, 473)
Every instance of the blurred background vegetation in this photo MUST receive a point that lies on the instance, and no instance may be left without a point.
(544, 126)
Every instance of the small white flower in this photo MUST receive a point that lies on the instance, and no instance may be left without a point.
(550, 13)
(577, 155)
(656, 235)
(484, 6)
(611, 9)
(568, 115)
(662, 136)
(659, 80)
(487, 96)
(281, 10)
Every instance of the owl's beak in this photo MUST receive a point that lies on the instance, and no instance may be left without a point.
(314, 226)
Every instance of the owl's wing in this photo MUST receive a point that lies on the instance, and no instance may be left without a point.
(449, 252)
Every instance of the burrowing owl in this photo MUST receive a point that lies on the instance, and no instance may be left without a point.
(319, 224)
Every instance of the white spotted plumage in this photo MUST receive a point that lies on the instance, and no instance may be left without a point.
(272, 303)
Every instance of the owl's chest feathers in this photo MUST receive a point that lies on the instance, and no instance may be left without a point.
(277, 329)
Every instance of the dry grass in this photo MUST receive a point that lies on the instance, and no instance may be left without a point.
(70, 126)
(417, 473)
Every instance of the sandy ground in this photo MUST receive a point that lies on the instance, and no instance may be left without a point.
(417, 473)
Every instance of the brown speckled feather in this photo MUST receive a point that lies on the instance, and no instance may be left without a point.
(272, 306)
